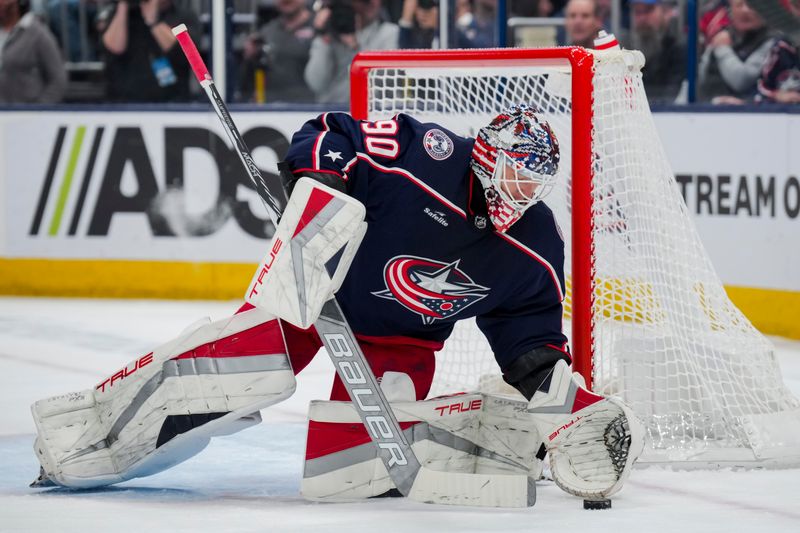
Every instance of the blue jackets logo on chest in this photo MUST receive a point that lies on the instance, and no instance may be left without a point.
(429, 288)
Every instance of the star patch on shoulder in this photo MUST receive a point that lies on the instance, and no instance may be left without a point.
(333, 156)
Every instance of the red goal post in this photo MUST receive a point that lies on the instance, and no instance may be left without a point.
(582, 63)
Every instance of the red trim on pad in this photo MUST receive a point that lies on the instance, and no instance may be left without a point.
(316, 202)
(263, 339)
(584, 398)
(325, 438)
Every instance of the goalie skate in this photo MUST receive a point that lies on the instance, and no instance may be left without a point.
(592, 441)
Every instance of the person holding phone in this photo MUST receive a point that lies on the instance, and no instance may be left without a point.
(143, 62)
(418, 24)
(343, 28)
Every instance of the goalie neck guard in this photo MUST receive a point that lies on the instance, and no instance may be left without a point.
(516, 159)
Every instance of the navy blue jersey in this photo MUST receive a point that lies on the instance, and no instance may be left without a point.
(424, 264)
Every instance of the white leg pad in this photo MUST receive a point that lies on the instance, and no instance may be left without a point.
(164, 407)
(468, 434)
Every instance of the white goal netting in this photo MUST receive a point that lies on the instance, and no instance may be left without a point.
(665, 336)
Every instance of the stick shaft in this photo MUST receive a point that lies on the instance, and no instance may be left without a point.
(340, 343)
(273, 200)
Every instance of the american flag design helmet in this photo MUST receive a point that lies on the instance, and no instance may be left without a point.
(522, 140)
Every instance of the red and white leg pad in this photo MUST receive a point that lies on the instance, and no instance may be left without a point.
(465, 433)
(592, 441)
(165, 406)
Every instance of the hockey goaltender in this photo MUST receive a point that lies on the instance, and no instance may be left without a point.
(413, 228)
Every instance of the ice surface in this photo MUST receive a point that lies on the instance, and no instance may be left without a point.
(250, 481)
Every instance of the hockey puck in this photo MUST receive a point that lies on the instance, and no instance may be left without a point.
(596, 504)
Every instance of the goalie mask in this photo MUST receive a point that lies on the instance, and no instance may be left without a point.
(516, 160)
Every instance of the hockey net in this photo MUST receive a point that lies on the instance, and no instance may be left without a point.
(647, 316)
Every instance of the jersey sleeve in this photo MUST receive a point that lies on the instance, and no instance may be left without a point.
(532, 316)
(327, 144)
(513, 331)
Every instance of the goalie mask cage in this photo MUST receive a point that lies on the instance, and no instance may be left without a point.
(647, 317)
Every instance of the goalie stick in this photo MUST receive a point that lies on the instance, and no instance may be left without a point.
(411, 479)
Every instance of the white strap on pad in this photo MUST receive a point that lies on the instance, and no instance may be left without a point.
(310, 253)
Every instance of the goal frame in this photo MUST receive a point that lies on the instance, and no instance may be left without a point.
(708, 386)
(581, 62)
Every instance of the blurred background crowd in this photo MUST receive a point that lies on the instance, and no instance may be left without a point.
(296, 51)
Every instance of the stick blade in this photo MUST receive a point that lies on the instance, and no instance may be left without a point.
(478, 490)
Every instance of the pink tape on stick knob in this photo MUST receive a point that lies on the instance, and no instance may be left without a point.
(190, 50)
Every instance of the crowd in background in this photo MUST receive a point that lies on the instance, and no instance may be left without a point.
(293, 51)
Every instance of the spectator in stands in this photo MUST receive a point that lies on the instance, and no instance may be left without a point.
(537, 36)
(343, 28)
(714, 18)
(535, 8)
(143, 60)
(780, 15)
(279, 52)
(478, 31)
(392, 10)
(418, 23)
(656, 35)
(463, 13)
(31, 68)
(78, 43)
(604, 12)
(581, 22)
(732, 61)
(779, 81)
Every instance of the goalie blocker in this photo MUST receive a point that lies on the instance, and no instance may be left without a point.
(310, 253)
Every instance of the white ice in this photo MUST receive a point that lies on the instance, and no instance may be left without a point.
(250, 481)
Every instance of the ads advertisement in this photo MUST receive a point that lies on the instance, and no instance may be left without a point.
(160, 199)
(141, 186)
(739, 174)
